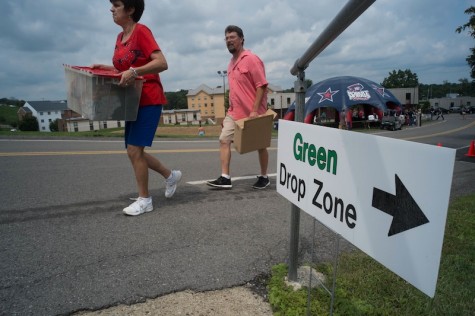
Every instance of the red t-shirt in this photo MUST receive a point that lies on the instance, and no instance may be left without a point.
(135, 53)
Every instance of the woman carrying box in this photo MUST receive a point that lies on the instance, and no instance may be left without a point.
(136, 54)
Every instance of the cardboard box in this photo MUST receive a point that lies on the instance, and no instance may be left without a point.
(95, 94)
(252, 134)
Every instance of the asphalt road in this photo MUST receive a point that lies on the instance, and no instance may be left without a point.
(66, 246)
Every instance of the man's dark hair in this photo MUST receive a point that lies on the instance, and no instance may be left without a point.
(234, 28)
(138, 5)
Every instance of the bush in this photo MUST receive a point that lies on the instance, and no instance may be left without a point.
(29, 123)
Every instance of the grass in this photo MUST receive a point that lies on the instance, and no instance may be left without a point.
(364, 287)
(8, 115)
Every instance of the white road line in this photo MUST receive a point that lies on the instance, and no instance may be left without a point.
(233, 178)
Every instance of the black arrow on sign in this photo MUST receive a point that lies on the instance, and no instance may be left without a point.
(402, 207)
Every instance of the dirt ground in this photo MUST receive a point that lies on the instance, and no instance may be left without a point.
(237, 301)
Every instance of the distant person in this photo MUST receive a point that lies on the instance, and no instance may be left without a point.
(247, 98)
(349, 119)
(138, 54)
(440, 114)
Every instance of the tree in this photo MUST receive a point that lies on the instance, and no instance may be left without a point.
(54, 126)
(29, 123)
(470, 25)
(177, 100)
(401, 79)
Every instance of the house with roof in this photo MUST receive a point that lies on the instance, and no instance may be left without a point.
(208, 101)
(211, 101)
(47, 112)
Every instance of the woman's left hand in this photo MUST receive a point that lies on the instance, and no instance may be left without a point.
(127, 78)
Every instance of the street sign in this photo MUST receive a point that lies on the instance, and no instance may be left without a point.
(387, 197)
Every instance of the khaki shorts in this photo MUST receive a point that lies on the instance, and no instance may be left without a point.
(227, 132)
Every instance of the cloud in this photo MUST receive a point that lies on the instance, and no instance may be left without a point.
(37, 37)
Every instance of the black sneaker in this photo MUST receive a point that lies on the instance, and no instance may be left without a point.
(262, 183)
(221, 182)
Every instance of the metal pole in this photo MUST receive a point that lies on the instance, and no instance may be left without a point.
(347, 15)
(223, 74)
(300, 90)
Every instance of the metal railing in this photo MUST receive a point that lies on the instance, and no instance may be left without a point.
(347, 15)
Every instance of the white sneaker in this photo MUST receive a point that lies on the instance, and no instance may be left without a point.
(170, 184)
(139, 207)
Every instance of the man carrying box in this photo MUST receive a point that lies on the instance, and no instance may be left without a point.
(247, 99)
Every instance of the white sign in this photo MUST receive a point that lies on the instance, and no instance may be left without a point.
(388, 197)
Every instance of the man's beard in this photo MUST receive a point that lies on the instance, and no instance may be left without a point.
(231, 49)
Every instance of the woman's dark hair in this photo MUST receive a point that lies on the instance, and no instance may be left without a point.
(138, 5)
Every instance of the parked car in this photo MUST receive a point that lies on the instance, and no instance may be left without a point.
(470, 109)
(391, 120)
(455, 109)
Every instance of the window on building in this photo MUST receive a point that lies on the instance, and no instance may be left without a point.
(272, 101)
(41, 113)
(91, 125)
(49, 113)
(119, 124)
(104, 124)
(288, 101)
(75, 125)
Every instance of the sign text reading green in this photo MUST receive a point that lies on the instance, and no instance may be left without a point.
(305, 152)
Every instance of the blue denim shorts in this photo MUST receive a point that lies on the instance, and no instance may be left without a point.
(142, 131)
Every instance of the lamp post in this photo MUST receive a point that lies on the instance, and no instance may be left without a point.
(223, 74)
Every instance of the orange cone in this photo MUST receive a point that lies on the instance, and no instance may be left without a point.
(471, 150)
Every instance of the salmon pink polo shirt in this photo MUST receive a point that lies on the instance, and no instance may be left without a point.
(244, 77)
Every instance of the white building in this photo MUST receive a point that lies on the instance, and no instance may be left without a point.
(452, 100)
(280, 101)
(407, 96)
(44, 111)
(182, 117)
(79, 124)
(47, 112)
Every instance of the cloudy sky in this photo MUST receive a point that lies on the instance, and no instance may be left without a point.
(38, 36)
